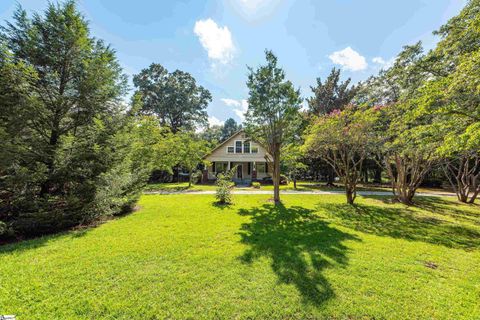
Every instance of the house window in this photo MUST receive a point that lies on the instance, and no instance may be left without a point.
(246, 147)
(230, 149)
(261, 167)
(254, 149)
(249, 168)
(221, 167)
(238, 146)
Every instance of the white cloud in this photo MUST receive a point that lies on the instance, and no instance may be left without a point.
(378, 60)
(214, 121)
(216, 40)
(349, 59)
(385, 64)
(240, 106)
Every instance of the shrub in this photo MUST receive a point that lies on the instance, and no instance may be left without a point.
(256, 185)
(224, 186)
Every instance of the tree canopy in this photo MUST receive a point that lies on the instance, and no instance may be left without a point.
(272, 113)
(174, 97)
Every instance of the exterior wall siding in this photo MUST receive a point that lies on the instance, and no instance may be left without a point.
(220, 155)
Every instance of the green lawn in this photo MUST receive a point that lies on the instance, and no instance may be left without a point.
(301, 186)
(177, 186)
(314, 257)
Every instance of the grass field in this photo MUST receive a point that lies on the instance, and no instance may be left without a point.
(314, 257)
(301, 186)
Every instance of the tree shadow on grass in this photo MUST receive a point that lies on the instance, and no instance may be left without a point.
(403, 223)
(450, 208)
(37, 242)
(300, 244)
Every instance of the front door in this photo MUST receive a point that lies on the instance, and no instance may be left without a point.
(239, 172)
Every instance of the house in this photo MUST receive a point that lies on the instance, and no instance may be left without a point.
(238, 150)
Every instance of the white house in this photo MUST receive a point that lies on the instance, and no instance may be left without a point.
(238, 150)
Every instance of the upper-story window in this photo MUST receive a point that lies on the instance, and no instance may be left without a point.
(238, 146)
(242, 146)
(246, 147)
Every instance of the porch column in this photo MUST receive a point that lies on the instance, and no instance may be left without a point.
(205, 174)
(254, 170)
(229, 165)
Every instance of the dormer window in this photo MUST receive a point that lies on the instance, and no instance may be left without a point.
(246, 147)
(238, 146)
(242, 146)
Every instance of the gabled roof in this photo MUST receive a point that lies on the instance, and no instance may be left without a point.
(224, 142)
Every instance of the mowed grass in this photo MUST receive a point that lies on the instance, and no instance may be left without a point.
(178, 186)
(301, 186)
(314, 257)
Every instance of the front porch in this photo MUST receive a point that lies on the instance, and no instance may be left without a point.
(246, 172)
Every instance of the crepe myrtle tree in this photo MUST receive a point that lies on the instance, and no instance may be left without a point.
(272, 113)
(409, 150)
(344, 139)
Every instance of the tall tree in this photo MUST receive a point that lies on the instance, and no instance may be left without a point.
(76, 75)
(272, 113)
(331, 94)
(66, 153)
(175, 97)
(229, 128)
(408, 153)
(452, 96)
(212, 135)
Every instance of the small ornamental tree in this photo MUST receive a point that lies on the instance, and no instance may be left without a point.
(190, 151)
(272, 113)
(344, 139)
(224, 186)
(292, 156)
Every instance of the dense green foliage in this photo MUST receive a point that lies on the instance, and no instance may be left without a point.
(430, 106)
(66, 153)
(224, 183)
(272, 114)
(174, 97)
(315, 257)
(344, 139)
(331, 94)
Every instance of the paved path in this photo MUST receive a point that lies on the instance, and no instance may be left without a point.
(361, 193)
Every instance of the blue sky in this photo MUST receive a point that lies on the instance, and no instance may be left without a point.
(216, 40)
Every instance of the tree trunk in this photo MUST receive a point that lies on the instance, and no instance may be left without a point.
(463, 174)
(406, 176)
(294, 182)
(351, 194)
(50, 161)
(276, 174)
(189, 178)
(350, 191)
